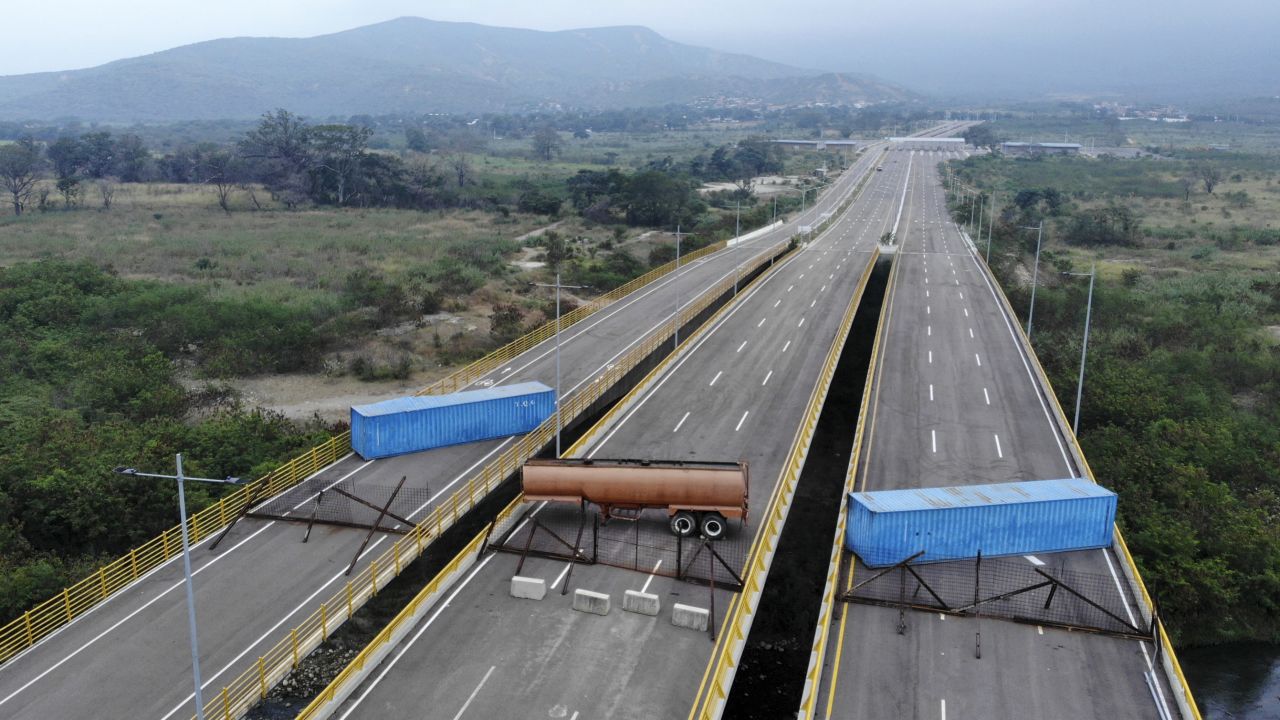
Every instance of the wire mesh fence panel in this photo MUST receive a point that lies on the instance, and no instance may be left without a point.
(643, 543)
(350, 505)
(1012, 588)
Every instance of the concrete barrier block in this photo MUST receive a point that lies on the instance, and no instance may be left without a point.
(591, 602)
(688, 616)
(639, 602)
(528, 588)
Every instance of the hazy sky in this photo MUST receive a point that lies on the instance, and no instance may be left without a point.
(931, 45)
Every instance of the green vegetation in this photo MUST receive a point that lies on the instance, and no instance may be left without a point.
(1181, 409)
(85, 385)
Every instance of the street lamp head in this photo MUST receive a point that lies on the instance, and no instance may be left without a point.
(234, 480)
(122, 470)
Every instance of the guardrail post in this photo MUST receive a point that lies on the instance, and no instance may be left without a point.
(373, 576)
(395, 555)
(102, 583)
(133, 562)
(226, 704)
(262, 678)
(66, 603)
(350, 601)
(324, 621)
(31, 636)
(164, 543)
(293, 637)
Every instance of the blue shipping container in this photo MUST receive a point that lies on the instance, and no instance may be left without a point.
(412, 424)
(954, 523)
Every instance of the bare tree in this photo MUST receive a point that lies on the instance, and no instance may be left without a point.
(461, 168)
(1209, 175)
(19, 170)
(341, 151)
(107, 191)
(546, 143)
(219, 169)
(1187, 183)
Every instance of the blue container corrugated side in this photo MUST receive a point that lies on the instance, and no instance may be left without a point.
(412, 424)
(955, 523)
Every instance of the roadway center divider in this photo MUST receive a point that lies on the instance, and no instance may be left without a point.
(723, 666)
(817, 655)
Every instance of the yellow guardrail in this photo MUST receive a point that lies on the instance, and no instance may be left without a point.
(469, 374)
(817, 656)
(718, 678)
(426, 597)
(1147, 607)
(254, 682)
(47, 617)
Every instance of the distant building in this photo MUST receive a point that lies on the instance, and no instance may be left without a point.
(818, 144)
(1025, 148)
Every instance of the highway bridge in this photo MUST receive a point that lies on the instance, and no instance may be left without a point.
(127, 656)
(747, 385)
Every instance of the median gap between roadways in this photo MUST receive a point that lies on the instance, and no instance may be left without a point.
(771, 674)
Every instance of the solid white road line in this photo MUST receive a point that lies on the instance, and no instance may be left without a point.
(744, 419)
(998, 450)
(717, 377)
(985, 395)
(656, 565)
(474, 571)
(761, 322)
(784, 347)
(475, 692)
(744, 344)
(766, 378)
(779, 302)
(677, 427)
(970, 333)
(978, 357)
(930, 392)
(801, 323)
(933, 434)
(930, 357)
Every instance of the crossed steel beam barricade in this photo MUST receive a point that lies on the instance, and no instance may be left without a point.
(1005, 588)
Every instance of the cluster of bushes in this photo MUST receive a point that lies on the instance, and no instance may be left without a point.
(87, 383)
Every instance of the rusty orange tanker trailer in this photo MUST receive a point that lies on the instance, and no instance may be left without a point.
(696, 495)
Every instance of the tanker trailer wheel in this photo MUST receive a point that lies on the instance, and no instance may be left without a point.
(713, 526)
(683, 523)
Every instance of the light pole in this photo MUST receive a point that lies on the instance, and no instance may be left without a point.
(981, 202)
(1084, 348)
(971, 203)
(558, 288)
(737, 240)
(991, 226)
(1035, 273)
(677, 285)
(186, 563)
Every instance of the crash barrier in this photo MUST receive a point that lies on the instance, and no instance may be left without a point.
(47, 617)
(718, 679)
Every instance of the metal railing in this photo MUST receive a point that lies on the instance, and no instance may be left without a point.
(76, 600)
(723, 666)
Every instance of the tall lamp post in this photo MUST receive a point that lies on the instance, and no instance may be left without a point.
(1035, 273)
(558, 288)
(1084, 347)
(676, 282)
(186, 562)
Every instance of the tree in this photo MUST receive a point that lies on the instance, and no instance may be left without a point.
(107, 191)
(220, 169)
(281, 146)
(19, 170)
(546, 143)
(132, 159)
(1209, 175)
(416, 140)
(339, 151)
(461, 168)
(98, 154)
(68, 158)
(981, 136)
(506, 322)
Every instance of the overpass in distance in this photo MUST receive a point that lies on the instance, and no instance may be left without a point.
(128, 656)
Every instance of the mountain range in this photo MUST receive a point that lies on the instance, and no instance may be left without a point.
(414, 65)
